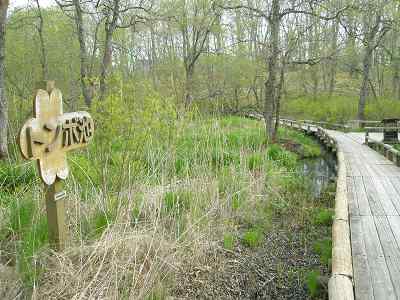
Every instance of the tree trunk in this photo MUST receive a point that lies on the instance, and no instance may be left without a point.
(3, 98)
(272, 61)
(106, 63)
(279, 94)
(87, 89)
(43, 58)
(367, 60)
(396, 78)
(371, 32)
(189, 72)
(110, 27)
(333, 60)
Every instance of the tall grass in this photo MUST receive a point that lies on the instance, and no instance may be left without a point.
(144, 202)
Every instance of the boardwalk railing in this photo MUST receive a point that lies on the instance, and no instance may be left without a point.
(341, 281)
(375, 222)
(386, 150)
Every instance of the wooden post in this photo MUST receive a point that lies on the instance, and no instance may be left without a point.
(55, 208)
(55, 198)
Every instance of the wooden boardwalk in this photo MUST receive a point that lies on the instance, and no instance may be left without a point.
(373, 190)
(372, 193)
(373, 198)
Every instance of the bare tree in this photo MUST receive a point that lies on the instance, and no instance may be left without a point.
(3, 99)
(195, 23)
(375, 27)
(43, 51)
(117, 14)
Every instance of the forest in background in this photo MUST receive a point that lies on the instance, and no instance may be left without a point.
(175, 196)
(219, 56)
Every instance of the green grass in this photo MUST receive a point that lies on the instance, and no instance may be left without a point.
(324, 249)
(229, 241)
(339, 109)
(14, 175)
(313, 283)
(177, 202)
(218, 178)
(253, 237)
(323, 217)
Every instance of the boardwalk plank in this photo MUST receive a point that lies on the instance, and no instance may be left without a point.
(390, 250)
(392, 193)
(381, 281)
(352, 197)
(362, 199)
(384, 197)
(362, 279)
(373, 197)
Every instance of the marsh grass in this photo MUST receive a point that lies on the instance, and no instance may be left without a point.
(138, 211)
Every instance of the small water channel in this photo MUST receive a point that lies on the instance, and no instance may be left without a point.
(320, 170)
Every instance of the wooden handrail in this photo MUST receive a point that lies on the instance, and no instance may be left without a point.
(380, 129)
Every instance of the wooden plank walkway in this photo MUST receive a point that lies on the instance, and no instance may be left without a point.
(373, 189)
(373, 197)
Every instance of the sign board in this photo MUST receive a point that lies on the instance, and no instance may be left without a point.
(51, 134)
(47, 138)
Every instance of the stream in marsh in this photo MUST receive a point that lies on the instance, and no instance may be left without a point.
(320, 170)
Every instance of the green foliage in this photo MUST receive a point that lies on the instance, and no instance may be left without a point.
(324, 249)
(238, 199)
(13, 176)
(157, 293)
(253, 237)
(100, 222)
(176, 202)
(104, 216)
(21, 213)
(323, 217)
(33, 239)
(229, 241)
(27, 224)
(255, 161)
(300, 143)
(312, 281)
(282, 157)
(339, 109)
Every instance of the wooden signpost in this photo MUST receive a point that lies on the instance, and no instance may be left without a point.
(47, 138)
